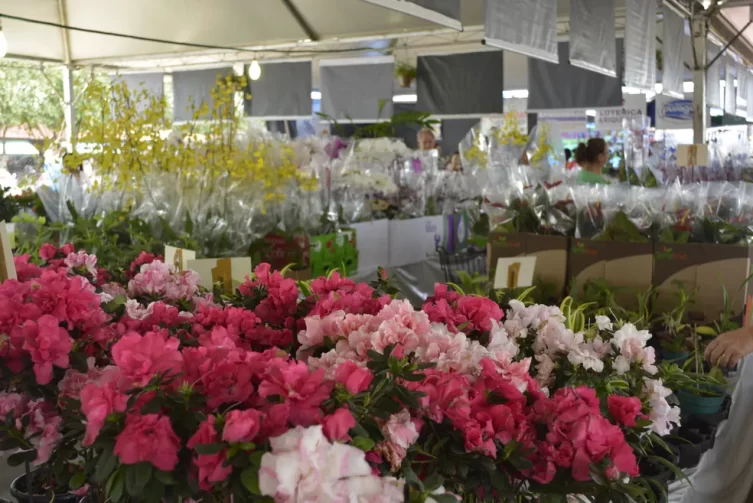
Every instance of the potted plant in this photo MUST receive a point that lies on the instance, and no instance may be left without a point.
(405, 74)
(45, 488)
(706, 396)
(675, 328)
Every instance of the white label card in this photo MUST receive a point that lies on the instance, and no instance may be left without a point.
(230, 271)
(692, 155)
(179, 257)
(514, 272)
(7, 266)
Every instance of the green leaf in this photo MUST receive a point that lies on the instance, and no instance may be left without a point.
(115, 486)
(250, 480)
(165, 477)
(411, 479)
(209, 449)
(77, 481)
(707, 331)
(444, 498)
(499, 481)
(19, 458)
(137, 477)
(78, 361)
(255, 458)
(363, 443)
(433, 482)
(105, 465)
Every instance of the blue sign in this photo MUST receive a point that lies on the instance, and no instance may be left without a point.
(679, 110)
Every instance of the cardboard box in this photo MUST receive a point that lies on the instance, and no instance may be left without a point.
(373, 244)
(626, 266)
(705, 268)
(550, 253)
(414, 240)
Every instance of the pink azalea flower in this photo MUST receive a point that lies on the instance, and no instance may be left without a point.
(211, 466)
(98, 402)
(141, 358)
(242, 425)
(337, 425)
(48, 345)
(148, 438)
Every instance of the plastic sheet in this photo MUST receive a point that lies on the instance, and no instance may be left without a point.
(363, 178)
(615, 213)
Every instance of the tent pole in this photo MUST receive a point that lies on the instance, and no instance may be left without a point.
(68, 96)
(699, 26)
(68, 112)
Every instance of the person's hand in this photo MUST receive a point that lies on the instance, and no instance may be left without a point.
(731, 347)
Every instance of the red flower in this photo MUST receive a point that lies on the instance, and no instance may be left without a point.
(148, 438)
(624, 409)
(141, 358)
(355, 379)
(302, 389)
(48, 345)
(337, 425)
(242, 425)
(211, 466)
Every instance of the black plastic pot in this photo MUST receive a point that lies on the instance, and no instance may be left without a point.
(18, 491)
(657, 473)
(693, 441)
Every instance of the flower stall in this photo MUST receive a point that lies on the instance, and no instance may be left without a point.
(150, 387)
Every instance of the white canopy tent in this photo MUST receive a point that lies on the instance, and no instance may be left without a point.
(243, 30)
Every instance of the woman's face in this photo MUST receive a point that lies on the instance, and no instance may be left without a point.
(603, 158)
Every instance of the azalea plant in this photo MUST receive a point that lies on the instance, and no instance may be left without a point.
(150, 387)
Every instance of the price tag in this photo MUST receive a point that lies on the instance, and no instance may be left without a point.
(692, 155)
(7, 266)
(514, 272)
(230, 272)
(179, 257)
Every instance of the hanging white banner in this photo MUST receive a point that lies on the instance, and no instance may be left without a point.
(593, 45)
(525, 26)
(713, 78)
(730, 94)
(640, 44)
(673, 70)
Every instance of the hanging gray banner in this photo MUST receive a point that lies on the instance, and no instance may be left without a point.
(444, 12)
(358, 90)
(525, 26)
(282, 92)
(750, 101)
(673, 70)
(592, 36)
(467, 85)
(640, 44)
